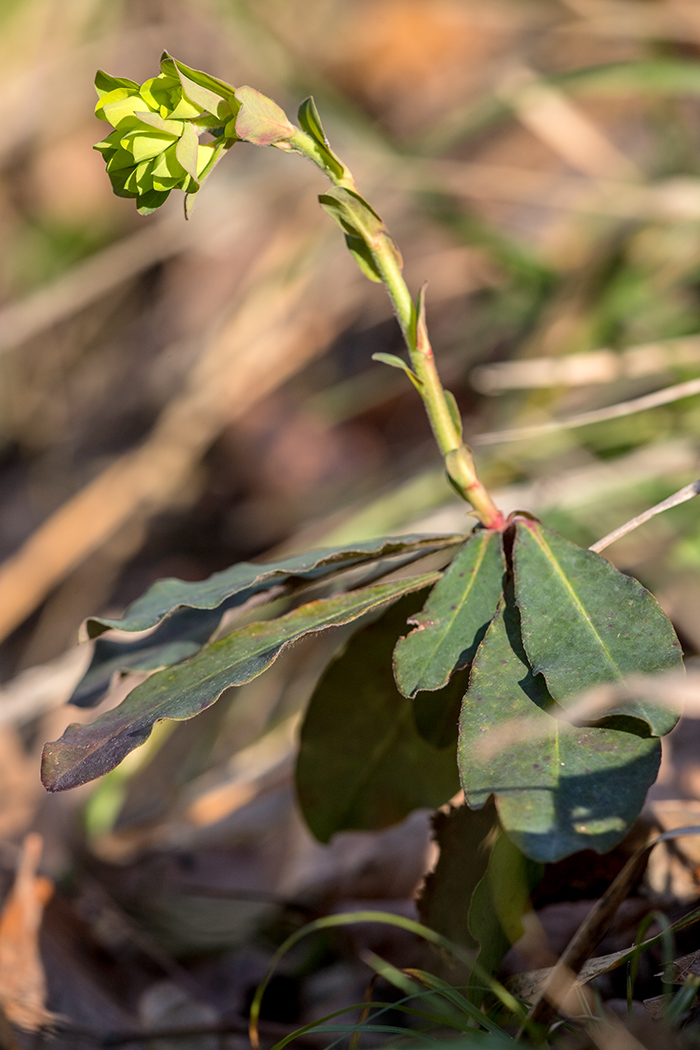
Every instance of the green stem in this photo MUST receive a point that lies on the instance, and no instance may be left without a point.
(459, 461)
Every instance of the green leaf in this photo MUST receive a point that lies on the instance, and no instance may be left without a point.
(352, 213)
(499, 902)
(585, 623)
(436, 714)
(86, 752)
(359, 221)
(398, 362)
(453, 409)
(169, 594)
(260, 120)
(479, 890)
(177, 638)
(450, 627)
(558, 788)
(310, 122)
(363, 257)
(362, 763)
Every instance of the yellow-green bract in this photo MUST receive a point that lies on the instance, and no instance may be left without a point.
(155, 145)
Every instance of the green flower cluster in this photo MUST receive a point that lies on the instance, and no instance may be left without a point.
(155, 145)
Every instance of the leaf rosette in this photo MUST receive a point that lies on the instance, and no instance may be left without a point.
(155, 145)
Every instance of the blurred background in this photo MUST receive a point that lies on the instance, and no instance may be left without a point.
(179, 396)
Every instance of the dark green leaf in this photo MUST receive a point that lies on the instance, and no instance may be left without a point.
(177, 638)
(454, 620)
(310, 121)
(499, 902)
(436, 714)
(362, 764)
(465, 838)
(169, 594)
(480, 888)
(585, 623)
(260, 120)
(558, 788)
(85, 752)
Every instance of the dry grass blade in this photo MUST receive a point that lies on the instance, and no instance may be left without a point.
(562, 978)
(90, 279)
(667, 396)
(682, 496)
(256, 350)
(562, 125)
(597, 366)
(22, 979)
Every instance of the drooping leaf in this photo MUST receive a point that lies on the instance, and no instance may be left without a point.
(362, 763)
(150, 201)
(249, 578)
(85, 752)
(558, 788)
(398, 362)
(479, 890)
(585, 623)
(465, 838)
(260, 120)
(454, 620)
(177, 638)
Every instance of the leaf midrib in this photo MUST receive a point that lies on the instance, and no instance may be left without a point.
(549, 555)
(444, 634)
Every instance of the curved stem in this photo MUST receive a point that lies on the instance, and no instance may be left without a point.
(446, 427)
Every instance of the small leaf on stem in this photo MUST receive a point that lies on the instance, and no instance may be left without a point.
(398, 362)
(260, 120)
(310, 122)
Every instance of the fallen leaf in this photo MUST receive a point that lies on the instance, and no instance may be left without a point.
(22, 977)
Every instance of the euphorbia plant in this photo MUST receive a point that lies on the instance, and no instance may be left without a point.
(456, 676)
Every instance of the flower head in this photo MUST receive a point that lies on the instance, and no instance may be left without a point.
(154, 147)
